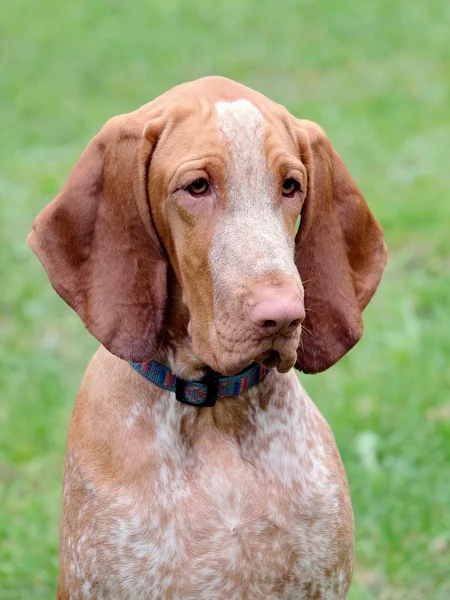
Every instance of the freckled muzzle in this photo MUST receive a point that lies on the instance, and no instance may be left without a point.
(258, 294)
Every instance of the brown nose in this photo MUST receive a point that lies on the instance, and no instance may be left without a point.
(275, 310)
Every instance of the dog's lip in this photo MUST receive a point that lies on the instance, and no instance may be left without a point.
(268, 351)
(269, 359)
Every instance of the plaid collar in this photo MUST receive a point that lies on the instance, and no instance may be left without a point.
(205, 392)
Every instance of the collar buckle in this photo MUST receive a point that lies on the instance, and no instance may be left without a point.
(212, 392)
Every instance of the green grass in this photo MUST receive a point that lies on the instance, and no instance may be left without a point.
(376, 75)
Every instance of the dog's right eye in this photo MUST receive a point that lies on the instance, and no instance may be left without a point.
(199, 187)
(290, 186)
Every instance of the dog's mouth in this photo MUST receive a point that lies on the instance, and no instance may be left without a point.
(273, 359)
(269, 359)
(273, 352)
(228, 352)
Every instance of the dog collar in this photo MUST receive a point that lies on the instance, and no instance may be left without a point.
(205, 392)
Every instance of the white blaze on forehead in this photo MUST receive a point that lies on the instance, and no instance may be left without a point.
(242, 124)
(250, 238)
(241, 127)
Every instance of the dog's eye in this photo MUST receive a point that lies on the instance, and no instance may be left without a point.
(290, 186)
(199, 187)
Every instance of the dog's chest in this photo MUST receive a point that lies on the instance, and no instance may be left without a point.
(254, 517)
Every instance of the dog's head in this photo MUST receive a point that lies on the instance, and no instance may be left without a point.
(209, 181)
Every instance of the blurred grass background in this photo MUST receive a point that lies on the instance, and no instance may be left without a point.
(376, 76)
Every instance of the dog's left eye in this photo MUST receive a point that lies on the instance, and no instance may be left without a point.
(199, 187)
(290, 186)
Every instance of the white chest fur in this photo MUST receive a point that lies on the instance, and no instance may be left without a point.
(261, 512)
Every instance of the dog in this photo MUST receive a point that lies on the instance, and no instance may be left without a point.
(197, 467)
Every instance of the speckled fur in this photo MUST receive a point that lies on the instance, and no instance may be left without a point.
(255, 507)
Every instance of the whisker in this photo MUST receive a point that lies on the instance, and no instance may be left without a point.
(308, 331)
(311, 310)
(307, 281)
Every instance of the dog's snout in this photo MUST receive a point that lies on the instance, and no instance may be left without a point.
(275, 309)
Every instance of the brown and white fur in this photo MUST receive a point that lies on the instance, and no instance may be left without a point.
(247, 499)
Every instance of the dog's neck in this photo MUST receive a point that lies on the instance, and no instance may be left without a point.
(176, 351)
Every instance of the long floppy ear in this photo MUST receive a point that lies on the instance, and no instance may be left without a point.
(97, 243)
(340, 254)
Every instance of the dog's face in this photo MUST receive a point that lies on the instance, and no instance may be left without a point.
(225, 201)
(211, 179)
